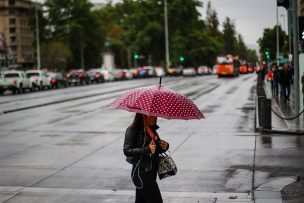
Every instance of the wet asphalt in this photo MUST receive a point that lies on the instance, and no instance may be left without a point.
(66, 145)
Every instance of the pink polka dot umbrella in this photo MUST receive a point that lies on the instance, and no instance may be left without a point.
(158, 101)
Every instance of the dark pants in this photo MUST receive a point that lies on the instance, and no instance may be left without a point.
(149, 193)
(275, 89)
(286, 91)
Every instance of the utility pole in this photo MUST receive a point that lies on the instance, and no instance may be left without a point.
(296, 56)
(278, 45)
(81, 49)
(166, 35)
(37, 38)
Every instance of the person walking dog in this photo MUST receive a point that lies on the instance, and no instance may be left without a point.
(142, 147)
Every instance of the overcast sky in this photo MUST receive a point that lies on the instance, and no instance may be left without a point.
(250, 16)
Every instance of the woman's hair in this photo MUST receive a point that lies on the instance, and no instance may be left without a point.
(138, 120)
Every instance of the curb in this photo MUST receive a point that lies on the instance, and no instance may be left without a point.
(288, 131)
(271, 191)
(281, 132)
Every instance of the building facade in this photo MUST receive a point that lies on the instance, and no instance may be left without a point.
(19, 37)
(301, 7)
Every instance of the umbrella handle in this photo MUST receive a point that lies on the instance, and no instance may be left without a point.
(160, 80)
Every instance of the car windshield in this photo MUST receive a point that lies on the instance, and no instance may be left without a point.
(11, 75)
(32, 75)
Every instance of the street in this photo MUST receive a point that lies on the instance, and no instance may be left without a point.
(65, 145)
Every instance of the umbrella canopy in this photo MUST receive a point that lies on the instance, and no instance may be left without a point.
(158, 101)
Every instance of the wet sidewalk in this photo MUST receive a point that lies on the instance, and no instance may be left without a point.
(283, 112)
(284, 189)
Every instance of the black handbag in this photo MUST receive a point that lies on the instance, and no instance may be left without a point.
(166, 166)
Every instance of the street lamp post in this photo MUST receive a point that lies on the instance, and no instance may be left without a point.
(37, 38)
(284, 22)
(166, 35)
(278, 45)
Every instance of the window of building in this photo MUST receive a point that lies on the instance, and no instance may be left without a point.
(11, 2)
(12, 21)
(12, 30)
(11, 12)
(13, 39)
(14, 48)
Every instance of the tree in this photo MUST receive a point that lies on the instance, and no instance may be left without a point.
(229, 37)
(241, 49)
(268, 42)
(55, 55)
(73, 23)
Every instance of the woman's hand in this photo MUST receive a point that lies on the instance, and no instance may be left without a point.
(152, 146)
(163, 144)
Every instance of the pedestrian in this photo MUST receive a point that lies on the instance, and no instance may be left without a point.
(286, 80)
(142, 147)
(263, 70)
(302, 82)
(275, 79)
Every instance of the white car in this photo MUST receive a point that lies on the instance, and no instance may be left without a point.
(160, 71)
(15, 81)
(189, 71)
(39, 79)
(107, 75)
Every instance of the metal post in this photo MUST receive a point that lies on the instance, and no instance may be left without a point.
(129, 58)
(166, 35)
(284, 22)
(296, 56)
(81, 50)
(278, 47)
(289, 29)
(37, 38)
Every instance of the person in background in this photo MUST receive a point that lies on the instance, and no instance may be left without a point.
(302, 82)
(286, 81)
(275, 80)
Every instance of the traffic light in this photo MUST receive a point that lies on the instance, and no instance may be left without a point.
(136, 56)
(301, 27)
(181, 59)
(267, 54)
(284, 3)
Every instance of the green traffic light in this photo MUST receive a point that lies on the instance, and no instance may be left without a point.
(136, 56)
(181, 58)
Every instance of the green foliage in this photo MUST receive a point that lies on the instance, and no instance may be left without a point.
(268, 42)
(55, 55)
(131, 27)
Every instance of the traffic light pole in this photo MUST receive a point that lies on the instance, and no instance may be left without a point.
(37, 37)
(166, 35)
(278, 45)
(296, 56)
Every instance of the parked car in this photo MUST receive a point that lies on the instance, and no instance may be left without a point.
(150, 71)
(15, 81)
(203, 70)
(160, 71)
(39, 79)
(142, 72)
(175, 71)
(118, 74)
(135, 73)
(128, 74)
(57, 80)
(78, 77)
(108, 76)
(189, 71)
(96, 76)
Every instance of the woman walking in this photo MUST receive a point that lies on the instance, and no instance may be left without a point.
(142, 146)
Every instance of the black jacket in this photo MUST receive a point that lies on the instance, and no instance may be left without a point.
(136, 147)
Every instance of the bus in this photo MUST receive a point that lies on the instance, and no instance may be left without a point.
(225, 66)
